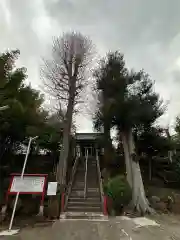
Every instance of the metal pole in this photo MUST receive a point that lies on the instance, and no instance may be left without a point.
(85, 176)
(22, 174)
(13, 213)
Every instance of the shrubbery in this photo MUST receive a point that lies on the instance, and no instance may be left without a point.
(119, 191)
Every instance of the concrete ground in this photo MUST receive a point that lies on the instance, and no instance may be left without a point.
(115, 229)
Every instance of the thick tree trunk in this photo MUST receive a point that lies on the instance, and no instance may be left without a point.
(63, 156)
(108, 149)
(62, 166)
(127, 158)
(139, 200)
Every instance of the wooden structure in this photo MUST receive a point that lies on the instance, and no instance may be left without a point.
(88, 142)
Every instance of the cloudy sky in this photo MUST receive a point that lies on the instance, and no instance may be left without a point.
(147, 32)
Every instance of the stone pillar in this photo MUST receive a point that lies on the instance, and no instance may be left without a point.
(96, 153)
(41, 211)
(78, 150)
(3, 213)
(91, 151)
(102, 150)
(96, 149)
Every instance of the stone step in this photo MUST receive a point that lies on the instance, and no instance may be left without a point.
(83, 215)
(89, 171)
(81, 189)
(94, 164)
(89, 190)
(79, 199)
(89, 187)
(93, 181)
(82, 199)
(84, 209)
(84, 204)
(78, 180)
(79, 184)
(89, 181)
(80, 175)
(93, 189)
(81, 194)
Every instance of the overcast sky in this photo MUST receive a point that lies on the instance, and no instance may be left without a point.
(147, 32)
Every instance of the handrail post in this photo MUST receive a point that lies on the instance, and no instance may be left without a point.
(100, 180)
(68, 190)
(85, 176)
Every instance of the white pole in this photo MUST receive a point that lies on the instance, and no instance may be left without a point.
(22, 174)
(13, 213)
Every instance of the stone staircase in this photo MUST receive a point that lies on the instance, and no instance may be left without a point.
(78, 205)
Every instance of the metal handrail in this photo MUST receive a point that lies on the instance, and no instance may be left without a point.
(100, 179)
(68, 191)
(85, 176)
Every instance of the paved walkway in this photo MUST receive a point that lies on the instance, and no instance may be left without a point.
(114, 229)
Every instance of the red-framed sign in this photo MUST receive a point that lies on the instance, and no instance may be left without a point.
(28, 184)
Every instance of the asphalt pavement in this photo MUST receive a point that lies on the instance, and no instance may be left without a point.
(120, 228)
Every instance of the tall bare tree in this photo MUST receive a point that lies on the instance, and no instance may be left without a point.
(64, 78)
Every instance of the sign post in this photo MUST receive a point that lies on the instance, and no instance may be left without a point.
(29, 184)
(22, 174)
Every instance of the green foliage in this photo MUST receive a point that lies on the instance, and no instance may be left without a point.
(25, 116)
(110, 68)
(105, 76)
(177, 125)
(23, 101)
(152, 141)
(176, 137)
(127, 101)
(138, 106)
(175, 144)
(119, 190)
(51, 135)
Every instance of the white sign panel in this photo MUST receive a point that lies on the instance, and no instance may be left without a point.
(27, 184)
(52, 188)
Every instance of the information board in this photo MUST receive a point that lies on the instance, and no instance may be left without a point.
(28, 184)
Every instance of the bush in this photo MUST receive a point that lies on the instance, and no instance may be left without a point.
(119, 191)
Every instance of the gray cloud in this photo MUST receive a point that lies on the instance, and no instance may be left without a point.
(147, 32)
(125, 21)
